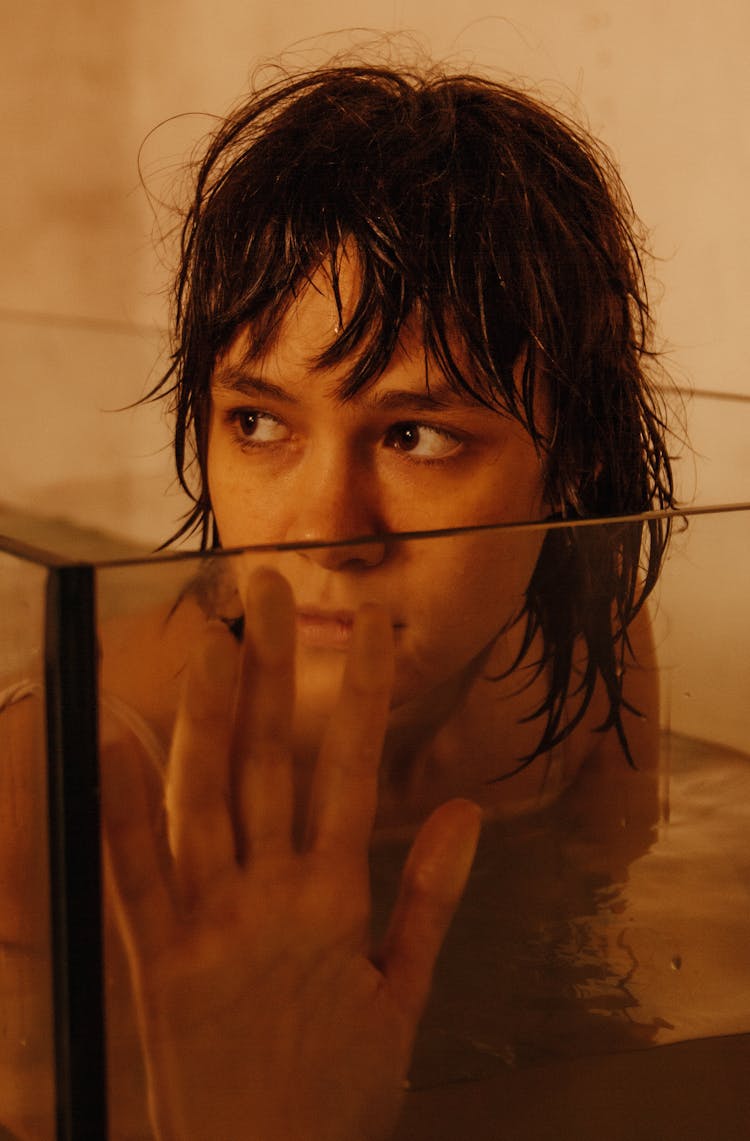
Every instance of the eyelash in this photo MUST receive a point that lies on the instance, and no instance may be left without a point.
(237, 415)
(247, 442)
(417, 425)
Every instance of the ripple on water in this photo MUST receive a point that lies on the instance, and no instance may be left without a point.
(550, 957)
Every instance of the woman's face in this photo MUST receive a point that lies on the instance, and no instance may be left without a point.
(289, 462)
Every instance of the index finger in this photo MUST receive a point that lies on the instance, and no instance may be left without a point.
(345, 786)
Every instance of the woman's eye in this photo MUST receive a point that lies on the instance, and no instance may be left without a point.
(421, 441)
(258, 427)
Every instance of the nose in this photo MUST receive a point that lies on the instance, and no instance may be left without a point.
(339, 510)
(348, 556)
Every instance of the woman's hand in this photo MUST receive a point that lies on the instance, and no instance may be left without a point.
(264, 1013)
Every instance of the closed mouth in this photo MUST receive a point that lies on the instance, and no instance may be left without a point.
(330, 629)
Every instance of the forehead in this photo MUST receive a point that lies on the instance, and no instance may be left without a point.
(320, 310)
(409, 385)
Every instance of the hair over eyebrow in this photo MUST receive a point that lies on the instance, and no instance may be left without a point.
(437, 396)
(241, 365)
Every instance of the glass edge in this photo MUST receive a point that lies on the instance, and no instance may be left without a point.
(74, 829)
(41, 556)
(44, 557)
(180, 555)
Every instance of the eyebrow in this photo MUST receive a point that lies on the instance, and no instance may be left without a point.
(441, 395)
(437, 398)
(237, 380)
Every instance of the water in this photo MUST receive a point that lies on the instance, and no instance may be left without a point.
(553, 958)
(589, 985)
(595, 983)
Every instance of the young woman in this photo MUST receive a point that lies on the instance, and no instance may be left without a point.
(406, 303)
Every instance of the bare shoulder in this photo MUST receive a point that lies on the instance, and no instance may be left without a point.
(640, 712)
(143, 659)
(613, 803)
(498, 725)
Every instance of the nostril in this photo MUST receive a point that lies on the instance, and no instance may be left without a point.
(359, 554)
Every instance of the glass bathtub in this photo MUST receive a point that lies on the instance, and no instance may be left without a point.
(596, 979)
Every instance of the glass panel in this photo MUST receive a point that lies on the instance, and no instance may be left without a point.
(27, 1104)
(607, 909)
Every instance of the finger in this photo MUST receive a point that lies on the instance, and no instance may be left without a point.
(432, 884)
(201, 832)
(135, 844)
(265, 705)
(345, 785)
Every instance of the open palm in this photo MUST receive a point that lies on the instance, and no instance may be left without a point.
(263, 1011)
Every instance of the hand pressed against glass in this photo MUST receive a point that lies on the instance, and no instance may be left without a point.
(259, 1003)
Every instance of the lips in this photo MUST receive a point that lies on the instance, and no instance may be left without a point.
(328, 629)
(325, 629)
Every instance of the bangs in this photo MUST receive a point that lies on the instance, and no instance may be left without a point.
(378, 312)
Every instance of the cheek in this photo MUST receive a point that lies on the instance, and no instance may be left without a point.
(457, 601)
(509, 488)
(216, 479)
(234, 503)
(527, 484)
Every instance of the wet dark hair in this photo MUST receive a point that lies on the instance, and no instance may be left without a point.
(495, 223)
